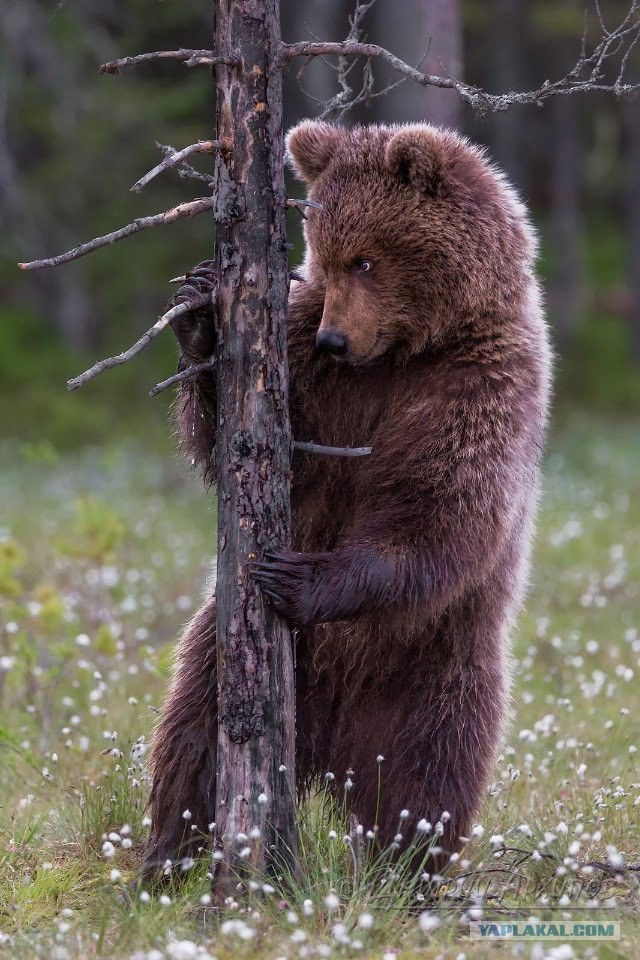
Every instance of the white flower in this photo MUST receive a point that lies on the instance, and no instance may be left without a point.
(404, 814)
(307, 908)
(182, 950)
(365, 921)
(164, 900)
(186, 814)
(145, 896)
(331, 902)
(428, 922)
(423, 826)
(497, 840)
(115, 876)
(108, 850)
(262, 799)
(379, 758)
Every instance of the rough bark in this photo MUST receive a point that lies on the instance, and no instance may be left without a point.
(254, 652)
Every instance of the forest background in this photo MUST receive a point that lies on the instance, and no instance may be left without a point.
(73, 141)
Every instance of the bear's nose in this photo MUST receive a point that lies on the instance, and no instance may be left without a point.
(332, 341)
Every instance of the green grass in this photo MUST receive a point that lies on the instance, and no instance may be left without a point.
(102, 558)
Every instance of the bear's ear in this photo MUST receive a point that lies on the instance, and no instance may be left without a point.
(416, 156)
(310, 146)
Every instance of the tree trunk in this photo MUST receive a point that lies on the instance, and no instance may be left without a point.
(632, 111)
(566, 286)
(444, 31)
(254, 652)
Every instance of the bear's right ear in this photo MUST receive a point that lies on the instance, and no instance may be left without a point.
(310, 146)
(416, 155)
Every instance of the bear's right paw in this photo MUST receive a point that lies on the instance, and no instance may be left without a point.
(195, 331)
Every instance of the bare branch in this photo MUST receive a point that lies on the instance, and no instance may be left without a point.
(588, 74)
(191, 209)
(189, 374)
(192, 58)
(177, 156)
(299, 205)
(140, 344)
(331, 451)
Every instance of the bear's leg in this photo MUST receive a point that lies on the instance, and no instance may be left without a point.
(439, 735)
(183, 757)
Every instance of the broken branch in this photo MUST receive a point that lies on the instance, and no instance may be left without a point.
(189, 374)
(192, 58)
(331, 451)
(177, 156)
(191, 209)
(139, 345)
(299, 205)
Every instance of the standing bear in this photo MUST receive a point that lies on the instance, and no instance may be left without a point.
(416, 328)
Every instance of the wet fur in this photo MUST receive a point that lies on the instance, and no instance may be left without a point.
(409, 564)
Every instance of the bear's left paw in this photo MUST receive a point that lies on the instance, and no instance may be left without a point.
(291, 583)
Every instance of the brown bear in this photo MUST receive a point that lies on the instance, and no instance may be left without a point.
(416, 328)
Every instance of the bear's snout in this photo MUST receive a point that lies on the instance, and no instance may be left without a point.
(330, 340)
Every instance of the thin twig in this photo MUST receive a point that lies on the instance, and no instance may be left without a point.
(191, 209)
(171, 159)
(140, 344)
(192, 58)
(331, 451)
(187, 374)
(299, 205)
(587, 75)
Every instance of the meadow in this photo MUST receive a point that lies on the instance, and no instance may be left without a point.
(104, 555)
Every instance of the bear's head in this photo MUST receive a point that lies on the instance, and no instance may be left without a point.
(418, 238)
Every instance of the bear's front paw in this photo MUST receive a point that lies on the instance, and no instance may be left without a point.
(292, 584)
(195, 331)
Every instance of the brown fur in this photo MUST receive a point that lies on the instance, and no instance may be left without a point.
(409, 564)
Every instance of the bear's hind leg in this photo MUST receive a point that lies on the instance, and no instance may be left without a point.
(183, 757)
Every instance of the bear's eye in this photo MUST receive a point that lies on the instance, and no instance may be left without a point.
(364, 266)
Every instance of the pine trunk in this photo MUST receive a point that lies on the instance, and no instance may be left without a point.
(255, 765)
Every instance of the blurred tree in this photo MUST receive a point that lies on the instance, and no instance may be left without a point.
(632, 118)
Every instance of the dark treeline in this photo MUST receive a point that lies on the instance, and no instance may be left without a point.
(72, 142)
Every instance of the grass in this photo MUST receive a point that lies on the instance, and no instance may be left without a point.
(101, 560)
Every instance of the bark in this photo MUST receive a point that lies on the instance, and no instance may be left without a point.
(254, 652)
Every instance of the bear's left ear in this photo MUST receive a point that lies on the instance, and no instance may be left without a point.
(417, 156)
(311, 146)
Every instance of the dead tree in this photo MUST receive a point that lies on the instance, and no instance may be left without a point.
(255, 750)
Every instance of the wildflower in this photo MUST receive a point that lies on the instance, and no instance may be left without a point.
(262, 799)
(428, 922)
(108, 850)
(404, 814)
(423, 826)
(307, 908)
(186, 814)
(164, 900)
(379, 758)
(115, 876)
(365, 921)
(331, 902)
(182, 950)
(145, 896)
